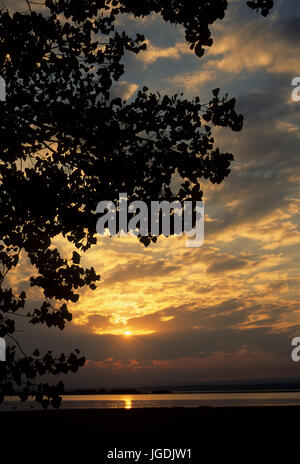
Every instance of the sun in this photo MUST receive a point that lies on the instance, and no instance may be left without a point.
(127, 333)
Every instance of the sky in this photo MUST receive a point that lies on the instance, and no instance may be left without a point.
(226, 311)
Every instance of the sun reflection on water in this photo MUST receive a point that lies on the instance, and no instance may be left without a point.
(128, 403)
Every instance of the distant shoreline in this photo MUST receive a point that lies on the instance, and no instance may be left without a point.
(267, 387)
(181, 392)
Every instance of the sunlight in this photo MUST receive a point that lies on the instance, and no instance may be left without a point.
(128, 403)
(122, 332)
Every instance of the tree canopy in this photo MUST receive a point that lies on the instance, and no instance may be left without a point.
(66, 144)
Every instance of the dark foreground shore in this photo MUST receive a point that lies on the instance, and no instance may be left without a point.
(111, 428)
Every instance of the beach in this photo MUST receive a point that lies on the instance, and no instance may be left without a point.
(155, 427)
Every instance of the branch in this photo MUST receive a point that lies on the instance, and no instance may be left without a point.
(18, 344)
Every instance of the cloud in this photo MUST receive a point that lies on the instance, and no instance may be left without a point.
(189, 357)
(154, 53)
(123, 89)
(227, 263)
(271, 46)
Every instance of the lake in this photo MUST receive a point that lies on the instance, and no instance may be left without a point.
(185, 400)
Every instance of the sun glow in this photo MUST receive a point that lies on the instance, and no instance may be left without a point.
(128, 403)
(131, 333)
(123, 332)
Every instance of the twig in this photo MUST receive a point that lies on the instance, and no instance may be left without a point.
(18, 344)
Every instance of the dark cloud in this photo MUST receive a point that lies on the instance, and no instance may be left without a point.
(134, 271)
(226, 263)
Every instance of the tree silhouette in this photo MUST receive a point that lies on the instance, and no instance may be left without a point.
(66, 145)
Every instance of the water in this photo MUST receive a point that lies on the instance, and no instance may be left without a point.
(186, 400)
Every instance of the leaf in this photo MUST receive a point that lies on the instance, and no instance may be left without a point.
(76, 257)
(45, 403)
(199, 50)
